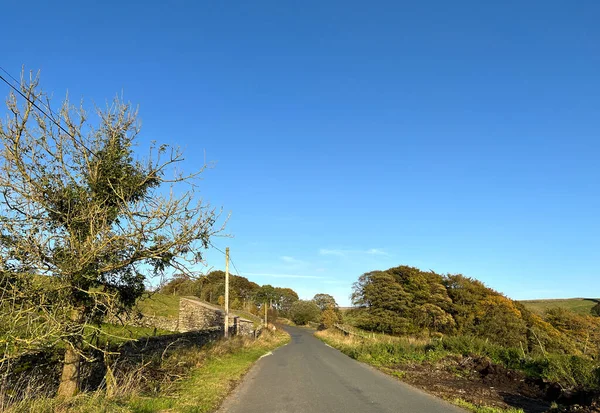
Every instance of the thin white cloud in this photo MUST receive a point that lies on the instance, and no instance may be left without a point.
(348, 252)
(340, 253)
(262, 274)
(376, 251)
(291, 260)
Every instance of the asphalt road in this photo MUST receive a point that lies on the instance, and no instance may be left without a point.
(308, 376)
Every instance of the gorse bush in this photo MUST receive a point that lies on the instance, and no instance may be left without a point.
(406, 300)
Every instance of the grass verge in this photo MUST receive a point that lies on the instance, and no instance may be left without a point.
(191, 380)
(483, 409)
(451, 366)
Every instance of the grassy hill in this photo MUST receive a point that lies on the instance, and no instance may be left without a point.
(577, 305)
(167, 305)
(163, 305)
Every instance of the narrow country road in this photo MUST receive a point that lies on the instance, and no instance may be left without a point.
(308, 376)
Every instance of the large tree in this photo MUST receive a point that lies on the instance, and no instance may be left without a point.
(85, 221)
(302, 312)
(325, 301)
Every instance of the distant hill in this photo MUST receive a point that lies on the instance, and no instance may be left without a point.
(577, 305)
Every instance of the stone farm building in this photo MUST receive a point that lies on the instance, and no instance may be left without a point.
(195, 314)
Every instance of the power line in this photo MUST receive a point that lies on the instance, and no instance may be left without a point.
(9, 75)
(236, 270)
(230, 259)
(218, 249)
(41, 110)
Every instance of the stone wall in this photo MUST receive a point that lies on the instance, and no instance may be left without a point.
(158, 344)
(195, 314)
(243, 327)
(164, 323)
(198, 315)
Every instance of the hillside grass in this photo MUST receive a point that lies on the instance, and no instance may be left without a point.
(577, 305)
(157, 304)
(203, 378)
(167, 305)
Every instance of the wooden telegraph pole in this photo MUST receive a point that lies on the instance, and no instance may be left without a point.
(226, 331)
(266, 314)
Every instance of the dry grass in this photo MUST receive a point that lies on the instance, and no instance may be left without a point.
(362, 337)
(187, 380)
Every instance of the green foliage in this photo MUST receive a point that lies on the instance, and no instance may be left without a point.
(303, 312)
(82, 209)
(286, 298)
(386, 351)
(204, 377)
(595, 310)
(406, 300)
(484, 409)
(325, 301)
(243, 294)
(211, 286)
(330, 317)
(157, 304)
(583, 330)
(570, 371)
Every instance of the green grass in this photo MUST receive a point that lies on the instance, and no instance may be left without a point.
(211, 373)
(156, 304)
(167, 305)
(483, 409)
(391, 352)
(209, 385)
(577, 305)
(117, 334)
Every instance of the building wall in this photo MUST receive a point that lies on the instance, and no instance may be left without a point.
(197, 315)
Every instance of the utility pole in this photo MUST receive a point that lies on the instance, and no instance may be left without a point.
(266, 314)
(226, 292)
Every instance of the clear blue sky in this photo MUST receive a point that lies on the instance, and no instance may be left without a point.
(350, 136)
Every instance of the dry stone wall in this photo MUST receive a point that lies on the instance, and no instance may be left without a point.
(196, 315)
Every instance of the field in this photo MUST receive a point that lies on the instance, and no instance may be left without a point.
(162, 305)
(577, 305)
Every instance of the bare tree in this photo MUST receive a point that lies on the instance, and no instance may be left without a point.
(83, 222)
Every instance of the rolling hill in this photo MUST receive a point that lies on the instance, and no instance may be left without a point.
(577, 305)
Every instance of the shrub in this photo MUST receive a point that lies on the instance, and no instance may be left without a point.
(302, 312)
(596, 310)
(330, 317)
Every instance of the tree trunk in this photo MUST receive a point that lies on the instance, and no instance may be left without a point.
(69, 380)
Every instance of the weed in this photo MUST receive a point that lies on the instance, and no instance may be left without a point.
(484, 409)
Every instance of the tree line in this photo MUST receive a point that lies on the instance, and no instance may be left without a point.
(407, 300)
(243, 294)
(248, 295)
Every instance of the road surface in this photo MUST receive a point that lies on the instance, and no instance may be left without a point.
(308, 376)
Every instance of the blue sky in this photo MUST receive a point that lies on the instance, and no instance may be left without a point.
(350, 136)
